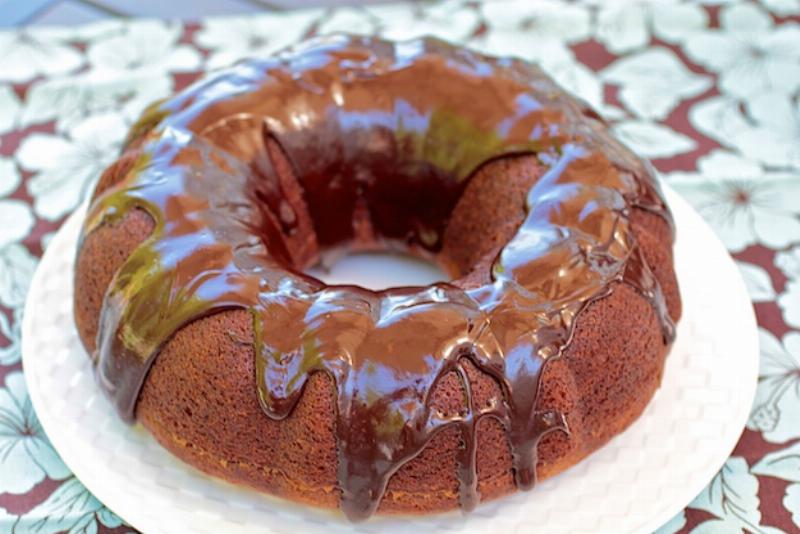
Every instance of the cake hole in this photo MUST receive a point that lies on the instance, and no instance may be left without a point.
(378, 270)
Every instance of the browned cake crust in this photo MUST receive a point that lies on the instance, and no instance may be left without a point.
(200, 397)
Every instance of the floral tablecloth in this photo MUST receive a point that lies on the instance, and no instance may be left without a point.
(709, 92)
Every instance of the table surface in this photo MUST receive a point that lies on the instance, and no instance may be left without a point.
(63, 12)
(709, 92)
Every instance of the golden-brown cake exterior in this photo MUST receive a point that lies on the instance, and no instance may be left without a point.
(201, 401)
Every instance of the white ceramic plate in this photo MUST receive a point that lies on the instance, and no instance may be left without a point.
(634, 484)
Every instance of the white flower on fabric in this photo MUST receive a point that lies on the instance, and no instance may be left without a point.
(744, 205)
(719, 118)
(517, 27)
(144, 46)
(653, 82)
(748, 53)
(791, 501)
(9, 176)
(67, 167)
(653, 140)
(358, 20)
(70, 100)
(788, 261)
(70, 508)
(230, 39)
(784, 464)
(11, 329)
(731, 496)
(84, 33)
(26, 456)
(675, 23)
(449, 20)
(775, 140)
(7, 519)
(9, 108)
(783, 7)
(766, 128)
(776, 408)
(623, 26)
(26, 55)
(16, 221)
(758, 282)
(16, 270)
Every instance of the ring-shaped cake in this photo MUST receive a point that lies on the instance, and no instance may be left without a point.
(549, 340)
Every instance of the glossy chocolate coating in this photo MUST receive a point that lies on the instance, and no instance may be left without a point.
(397, 129)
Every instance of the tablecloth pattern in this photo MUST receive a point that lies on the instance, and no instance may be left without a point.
(709, 92)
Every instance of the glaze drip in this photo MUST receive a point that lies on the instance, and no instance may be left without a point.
(391, 133)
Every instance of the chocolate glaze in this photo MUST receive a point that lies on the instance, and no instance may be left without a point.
(394, 130)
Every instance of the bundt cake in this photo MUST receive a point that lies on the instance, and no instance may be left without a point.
(550, 339)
